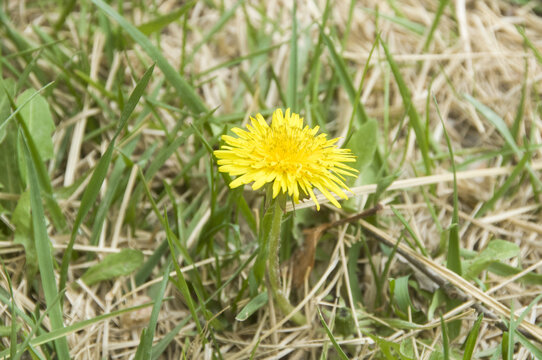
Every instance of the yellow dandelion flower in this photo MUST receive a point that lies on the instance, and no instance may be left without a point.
(290, 156)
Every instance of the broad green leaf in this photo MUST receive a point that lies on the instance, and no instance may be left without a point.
(399, 289)
(497, 250)
(22, 220)
(114, 265)
(252, 306)
(363, 143)
(37, 116)
(502, 269)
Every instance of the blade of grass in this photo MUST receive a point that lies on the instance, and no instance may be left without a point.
(93, 188)
(144, 350)
(159, 348)
(158, 23)
(43, 176)
(529, 43)
(344, 77)
(415, 121)
(35, 327)
(45, 257)
(470, 343)
(410, 230)
(291, 90)
(518, 169)
(438, 14)
(453, 259)
(445, 340)
(61, 333)
(501, 127)
(184, 90)
(218, 25)
(336, 345)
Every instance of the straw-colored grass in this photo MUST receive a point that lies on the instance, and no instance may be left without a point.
(442, 80)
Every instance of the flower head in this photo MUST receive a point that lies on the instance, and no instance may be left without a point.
(290, 156)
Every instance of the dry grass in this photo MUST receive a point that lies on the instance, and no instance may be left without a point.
(476, 50)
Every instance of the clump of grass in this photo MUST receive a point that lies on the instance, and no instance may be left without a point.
(119, 238)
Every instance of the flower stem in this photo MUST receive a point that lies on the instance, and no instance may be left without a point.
(273, 269)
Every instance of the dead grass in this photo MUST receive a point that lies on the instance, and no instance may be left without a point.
(476, 50)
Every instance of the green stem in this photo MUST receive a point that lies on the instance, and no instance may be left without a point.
(273, 269)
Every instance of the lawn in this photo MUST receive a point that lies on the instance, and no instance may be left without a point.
(155, 204)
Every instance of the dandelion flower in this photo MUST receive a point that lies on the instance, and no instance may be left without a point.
(287, 154)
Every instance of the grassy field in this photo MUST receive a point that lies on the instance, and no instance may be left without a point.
(120, 239)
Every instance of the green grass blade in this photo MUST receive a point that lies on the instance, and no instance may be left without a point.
(453, 259)
(292, 73)
(470, 343)
(157, 24)
(529, 43)
(410, 230)
(496, 120)
(43, 176)
(144, 350)
(344, 77)
(336, 345)
(415, 121)
(518, 169)
(445, 340)
(500, 125)
(181, 284)
(440, 10)
(185, 91)
(218, 25)
(61, 333)
(35, 327)
(93, 188)
(45, 256)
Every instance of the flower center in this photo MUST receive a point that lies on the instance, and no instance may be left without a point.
(287, 149)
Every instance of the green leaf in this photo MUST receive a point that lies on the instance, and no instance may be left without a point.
(344, 77)
(22, 220)
(184, 90)
(363, 143)
(37, 116)
(401, 296)
(336, 345)
(45, 256)
(252, 306)
(413, 115)
(292, 74)
(114, 265)
(144, 350)
(497, 250)
(5, 106)
(98, 176)
(470, 343)
(501, 126)
(507, 270)
(158, 23)
(10, 181)
(263, 245)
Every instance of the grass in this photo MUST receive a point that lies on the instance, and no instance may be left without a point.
(120, 239)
